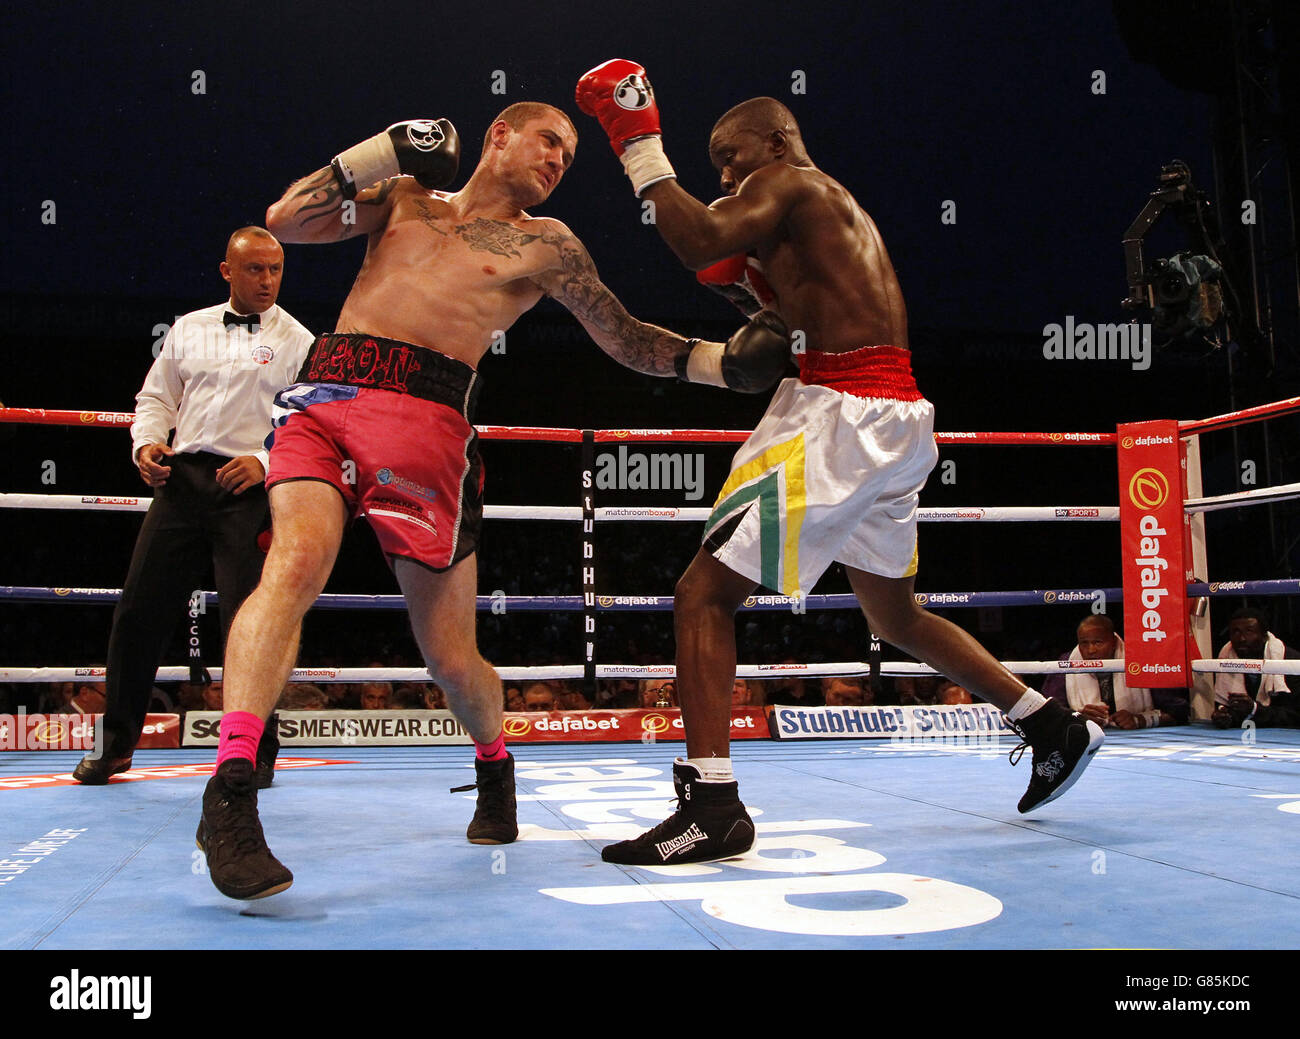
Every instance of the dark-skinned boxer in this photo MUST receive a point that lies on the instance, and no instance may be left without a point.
(833, 469)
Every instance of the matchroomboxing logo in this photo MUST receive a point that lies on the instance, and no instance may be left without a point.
(1148, 489)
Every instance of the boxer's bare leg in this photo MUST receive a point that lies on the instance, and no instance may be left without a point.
(704, 619)
(710, 822)
(891, 610)
(1063, 742)
(442, 608)
(308, 518)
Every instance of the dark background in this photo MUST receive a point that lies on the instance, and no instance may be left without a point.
(910, 104)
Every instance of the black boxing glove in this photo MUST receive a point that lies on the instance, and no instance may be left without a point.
(751, 361)
(426, 149)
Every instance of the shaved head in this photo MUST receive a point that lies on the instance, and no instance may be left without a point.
(760, 115)
(250, 233)
(1099, 622)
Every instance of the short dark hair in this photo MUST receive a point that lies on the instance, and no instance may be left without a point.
(516, 115)
(1250, 613)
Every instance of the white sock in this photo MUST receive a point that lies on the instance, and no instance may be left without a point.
(1026, 705)
(713, 770)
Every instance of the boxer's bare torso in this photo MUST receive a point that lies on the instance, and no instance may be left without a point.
(439, 277)
(828, 265)
(454, 271)
(821, 253)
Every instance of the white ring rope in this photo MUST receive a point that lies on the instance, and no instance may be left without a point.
(568, 671)
(957, 514)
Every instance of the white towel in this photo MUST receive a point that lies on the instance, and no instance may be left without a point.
(1083, 688)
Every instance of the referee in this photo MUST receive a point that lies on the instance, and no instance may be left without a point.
(213, 383)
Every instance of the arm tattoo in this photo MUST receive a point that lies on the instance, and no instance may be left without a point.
(635, 344)
(322, 192)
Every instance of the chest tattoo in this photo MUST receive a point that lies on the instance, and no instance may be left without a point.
(494, 236)
(427, 218)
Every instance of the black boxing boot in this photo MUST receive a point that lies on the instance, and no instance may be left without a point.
(1063, 742)
(710, 824)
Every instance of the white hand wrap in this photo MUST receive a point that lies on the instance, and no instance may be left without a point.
(646, 164)
(704, 364)
(367, 163)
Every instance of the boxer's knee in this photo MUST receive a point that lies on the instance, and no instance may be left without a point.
(462, 672)
(708, 586)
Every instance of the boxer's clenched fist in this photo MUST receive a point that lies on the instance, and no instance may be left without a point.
(426, 149)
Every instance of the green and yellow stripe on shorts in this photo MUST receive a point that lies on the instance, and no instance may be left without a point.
(773, 483)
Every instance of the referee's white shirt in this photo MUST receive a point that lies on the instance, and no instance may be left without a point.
(214, 385)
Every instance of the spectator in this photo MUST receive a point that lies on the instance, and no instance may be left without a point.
(91, 698)
(539, 696)
(408, 696)
(57, 697)
(213, 696)
(514, 698)
(189, 697)
(742, 693)
(658, 693)
(619, 694)
(918, 690)
(434, 698)
(951, 694)
(573, 699)
(844, 692)
(791, 691)
(303, 696)
(376, 696)
(1270, 701)
(1106, 698)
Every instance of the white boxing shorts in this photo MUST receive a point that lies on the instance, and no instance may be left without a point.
(832, 473)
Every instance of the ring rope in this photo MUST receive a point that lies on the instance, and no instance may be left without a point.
(664, 603)
(637, 671)
(607, 513)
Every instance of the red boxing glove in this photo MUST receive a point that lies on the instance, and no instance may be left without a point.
(739, 279)
(618, 94)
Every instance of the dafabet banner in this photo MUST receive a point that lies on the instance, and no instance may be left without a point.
(1151, 544)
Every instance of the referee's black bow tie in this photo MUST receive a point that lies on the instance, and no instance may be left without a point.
(251, 321)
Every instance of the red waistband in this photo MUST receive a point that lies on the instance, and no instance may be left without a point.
(872, 371)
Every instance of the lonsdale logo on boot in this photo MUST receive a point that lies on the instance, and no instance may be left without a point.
(1050, 768)
(684, 841)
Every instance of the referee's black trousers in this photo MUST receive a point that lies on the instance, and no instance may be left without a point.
(192, 523)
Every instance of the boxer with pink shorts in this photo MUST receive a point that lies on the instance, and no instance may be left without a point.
(389, 425)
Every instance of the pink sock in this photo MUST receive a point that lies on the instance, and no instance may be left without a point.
(240, 734)
(494, 751)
